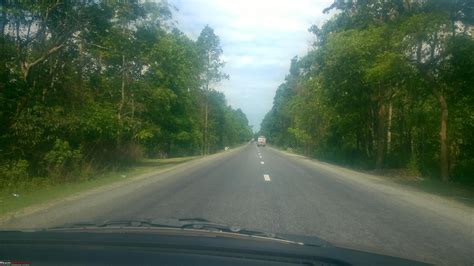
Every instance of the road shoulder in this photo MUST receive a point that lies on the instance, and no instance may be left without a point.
(151, 175)
(449, 208)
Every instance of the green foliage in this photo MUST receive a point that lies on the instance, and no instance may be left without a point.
(12, 172)
(413, 166)
(210, 52)
(62, 158)
(14, 177)
(370, 93)
(88, 86)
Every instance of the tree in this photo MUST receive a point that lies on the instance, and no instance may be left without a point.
(210, 52)
(90, 86)
(429, 36)
(376, 89)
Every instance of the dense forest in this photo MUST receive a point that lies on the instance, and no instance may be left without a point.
(85, 85)
(386, 85)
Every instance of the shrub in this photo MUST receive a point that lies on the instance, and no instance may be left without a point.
(62, 159)
(13, 172)
(413, 166)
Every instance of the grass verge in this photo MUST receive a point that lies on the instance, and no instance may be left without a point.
(15, 200)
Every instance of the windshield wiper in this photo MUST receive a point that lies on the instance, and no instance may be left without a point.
(196, 224)
(186, 223)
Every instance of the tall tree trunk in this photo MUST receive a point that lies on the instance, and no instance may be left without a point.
(122, 101)
(443, 136)
(380, 136)
(203, 136)
(122, 90)
(373, 141)
(206, 137)
(367, 139)
(389, 128)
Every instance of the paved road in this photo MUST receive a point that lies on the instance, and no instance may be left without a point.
(266, 189)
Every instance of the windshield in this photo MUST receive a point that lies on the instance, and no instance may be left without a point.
(350, 121)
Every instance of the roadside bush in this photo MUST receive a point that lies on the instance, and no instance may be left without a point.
(61, 160)
(127, 154)
(413, 167)
(13, 172)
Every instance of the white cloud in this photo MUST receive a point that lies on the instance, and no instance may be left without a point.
(235, 62)
(259, 38)
(241, 60)
(235, 35)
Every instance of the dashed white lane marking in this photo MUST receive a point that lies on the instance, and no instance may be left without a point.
(260, 156)
(262, 162)
(267, 178)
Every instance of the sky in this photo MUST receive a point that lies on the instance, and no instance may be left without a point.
(259, 38)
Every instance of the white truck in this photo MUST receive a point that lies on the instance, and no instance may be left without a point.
(261, 141)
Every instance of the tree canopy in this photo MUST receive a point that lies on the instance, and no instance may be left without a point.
(94, 83)
(388, 84)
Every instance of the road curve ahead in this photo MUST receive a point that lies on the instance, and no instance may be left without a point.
(266, 189)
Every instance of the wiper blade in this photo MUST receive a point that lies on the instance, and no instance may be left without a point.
(199, 223)
(186, 223)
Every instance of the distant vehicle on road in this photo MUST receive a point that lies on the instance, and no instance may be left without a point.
(261, 141)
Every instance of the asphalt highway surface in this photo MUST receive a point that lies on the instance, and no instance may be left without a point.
(266, 189)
